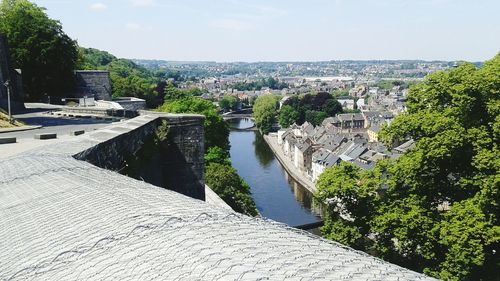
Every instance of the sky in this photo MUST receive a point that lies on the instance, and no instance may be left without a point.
(283, 30)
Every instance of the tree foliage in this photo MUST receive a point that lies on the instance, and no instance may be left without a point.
(270, 83)
(435, 209)
(225, 181)
(127, 78)
(265, 111)
(314, 108)
(315, 117)
(228, 102)
(287, 116)
(39, 47)
(217, 155)
(216, 129)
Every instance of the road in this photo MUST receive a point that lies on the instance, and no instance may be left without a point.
(37, 115)
(52, 124)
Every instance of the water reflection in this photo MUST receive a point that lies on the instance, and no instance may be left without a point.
(262, 150)
(276, 194)
(241, 123)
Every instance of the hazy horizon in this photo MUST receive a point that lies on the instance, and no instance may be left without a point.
(283, 31)
(297, 61)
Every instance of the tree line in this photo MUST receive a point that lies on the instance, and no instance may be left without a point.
(270, 83)
(313, 108)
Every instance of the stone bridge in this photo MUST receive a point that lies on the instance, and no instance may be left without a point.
(244, 113)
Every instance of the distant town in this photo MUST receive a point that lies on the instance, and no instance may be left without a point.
(349, 80)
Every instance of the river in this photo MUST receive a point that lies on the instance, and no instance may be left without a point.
(276, 194)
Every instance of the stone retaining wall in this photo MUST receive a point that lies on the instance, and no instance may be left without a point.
(133, 148)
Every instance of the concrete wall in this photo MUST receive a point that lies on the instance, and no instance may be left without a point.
(133, 104)
(140, 149)
(100, 111)
(93, 83)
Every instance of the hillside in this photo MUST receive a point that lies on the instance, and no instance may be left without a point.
(128, 78)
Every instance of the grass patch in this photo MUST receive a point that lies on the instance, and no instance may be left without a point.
(4, 121)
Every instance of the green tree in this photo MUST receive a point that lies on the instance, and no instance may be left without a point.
(314, 108)
(315, 117)
(437, 206)
(228, 102)
(332, 107)
(264, 112)
(216, 129)
(352, 197)
(127, 78)
(172, 93)
(224, 181)
(39, 47)
(288, 115)
(217, 155)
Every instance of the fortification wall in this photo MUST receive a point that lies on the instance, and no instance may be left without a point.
(93, 83)
(162, 149)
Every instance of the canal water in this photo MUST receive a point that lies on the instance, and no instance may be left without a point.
(276, 194)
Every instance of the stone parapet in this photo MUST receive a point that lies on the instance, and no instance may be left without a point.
(135, 148)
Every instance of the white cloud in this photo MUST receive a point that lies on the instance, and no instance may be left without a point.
(232, 24)
(143, 3)
(98, 7)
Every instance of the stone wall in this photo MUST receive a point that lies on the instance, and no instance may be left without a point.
(100, 111)
(130, 103)
(93, 83)
(162, 149)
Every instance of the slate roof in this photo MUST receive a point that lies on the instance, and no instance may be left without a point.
(405, 146)
(375, 127)
(65, 219)
(351, 117)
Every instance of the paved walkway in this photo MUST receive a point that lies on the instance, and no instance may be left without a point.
(23, 144)
(297, 175)
(19, 129)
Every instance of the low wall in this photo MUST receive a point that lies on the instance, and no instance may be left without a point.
(133, 104)
(101, 111)
(162, 149)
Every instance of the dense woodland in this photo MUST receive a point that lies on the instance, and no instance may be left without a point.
(436, 208)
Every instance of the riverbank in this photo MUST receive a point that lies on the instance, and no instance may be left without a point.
(272, 141)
